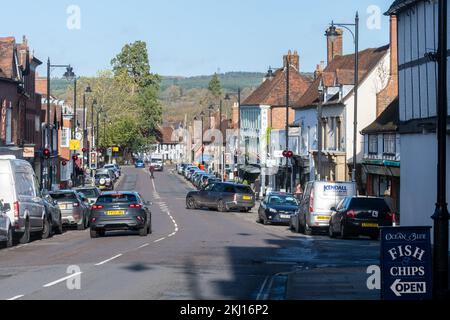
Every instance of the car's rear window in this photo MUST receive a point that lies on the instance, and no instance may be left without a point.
(369, 204)
(243, 190)
(117, 198)
(90, 193)
(62, 197)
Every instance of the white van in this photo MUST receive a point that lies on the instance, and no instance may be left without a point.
(19, 188)
(318, 199)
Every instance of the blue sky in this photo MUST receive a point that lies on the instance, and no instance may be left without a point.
(188, 38)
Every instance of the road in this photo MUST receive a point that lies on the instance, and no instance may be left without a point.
(193, 255)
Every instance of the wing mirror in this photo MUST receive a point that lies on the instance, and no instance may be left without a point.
(334, 209)
(6, 207)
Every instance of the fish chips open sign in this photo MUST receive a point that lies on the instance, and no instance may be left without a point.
(406, 263)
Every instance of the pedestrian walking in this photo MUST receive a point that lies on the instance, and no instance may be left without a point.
(298, 192)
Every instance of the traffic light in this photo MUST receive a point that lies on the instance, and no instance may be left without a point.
(46, 153)
(288, 154)
(93, 160)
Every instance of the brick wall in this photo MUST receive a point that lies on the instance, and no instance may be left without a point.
(278, 117)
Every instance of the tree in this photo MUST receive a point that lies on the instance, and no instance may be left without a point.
(133, 62)
(214, 87)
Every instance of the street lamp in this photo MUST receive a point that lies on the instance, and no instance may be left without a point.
(69, 75)
(319, 131)
(270, 75)
(87, 90)
(93, 142)
(202, 115)
(332, 33)
(441, 215)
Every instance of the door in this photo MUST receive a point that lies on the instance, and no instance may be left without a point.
(304, 207)
(215, 194)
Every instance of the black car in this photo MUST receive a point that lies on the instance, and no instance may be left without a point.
(355, 216)
(223, 197)
(120, 211)
(278, 208)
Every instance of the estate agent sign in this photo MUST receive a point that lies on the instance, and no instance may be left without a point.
(406, 263)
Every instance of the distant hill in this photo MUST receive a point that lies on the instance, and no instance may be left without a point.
(230, 81)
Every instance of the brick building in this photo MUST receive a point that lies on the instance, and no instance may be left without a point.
(20, 105)
(263, 122)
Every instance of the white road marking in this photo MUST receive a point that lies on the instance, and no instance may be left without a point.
(51, 284)
(144, 245)
(109, 260)
(258, 297)
(159, 240)
(16, 298)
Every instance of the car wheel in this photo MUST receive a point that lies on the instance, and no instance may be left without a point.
(94, 234)
(150, 230)
(46, 229)
(191, 204)
(331, 232)
(344, 233)
(82, 226)
(375, 237)
(59, 228)
(221, 206)
(307, 230)
(143, 232)
(9, 240)
(26, 235)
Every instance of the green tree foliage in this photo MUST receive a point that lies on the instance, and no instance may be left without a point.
(214, 87)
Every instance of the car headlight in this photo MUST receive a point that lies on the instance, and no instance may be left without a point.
(273, 210)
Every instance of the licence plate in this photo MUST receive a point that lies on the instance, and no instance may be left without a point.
(62, 206)
(285, 216)
(115, 213)
(370, 225)
(323, 218)
(247, 198)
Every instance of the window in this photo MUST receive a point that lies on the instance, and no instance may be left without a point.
(389, 144)
(25, 185)
(373, 144)
(65, 136)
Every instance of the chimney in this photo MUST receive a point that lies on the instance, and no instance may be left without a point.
(293, 58)
(335, 48)
(319, 69)
(390, 92)
(394, 45)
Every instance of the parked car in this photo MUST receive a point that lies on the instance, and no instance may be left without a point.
(190, 171)
(207, 180)
(54, 214)
(195, 175)
(355, 216)
(20, 189)
(278, 208)
(74, 208)
(6, 232)
(315, 207)
(181, 167)
(120, 211)
(115, 168)
(139, 164)
(104, 180)
(91, 193)
(222, 197)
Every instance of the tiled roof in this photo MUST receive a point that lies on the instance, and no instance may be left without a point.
(273, 92)
(388, 120)
(399, 5)
(341, 71)
(7, 65)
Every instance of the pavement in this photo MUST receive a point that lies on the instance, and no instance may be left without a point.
(191, 255)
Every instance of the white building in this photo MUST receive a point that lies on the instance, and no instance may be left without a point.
(417, 36)
(337, 81)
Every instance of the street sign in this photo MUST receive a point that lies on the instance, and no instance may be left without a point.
(278, 154)
(74, 145)
(116, 149)
(109, 152)
(406, 263)
(78, 136)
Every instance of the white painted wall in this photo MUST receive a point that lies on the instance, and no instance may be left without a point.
(418, 179)
(367, 106)
(307, 119)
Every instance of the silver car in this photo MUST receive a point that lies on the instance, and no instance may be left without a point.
(74, 207)
(91, 193)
